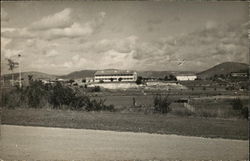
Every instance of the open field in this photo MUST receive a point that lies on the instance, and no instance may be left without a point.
(136, 122)
(217, 106)
(41, 143)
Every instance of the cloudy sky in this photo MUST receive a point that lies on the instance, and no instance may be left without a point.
(60, 37)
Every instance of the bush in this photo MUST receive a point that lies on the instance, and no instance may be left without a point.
(99, 105)
(245, 112)
(237, 104)
(38, 95)
(11, 99)
(138, 80)
(61, 95)
(162, 104)
(35, 93)
(96, 89)
(31, 96)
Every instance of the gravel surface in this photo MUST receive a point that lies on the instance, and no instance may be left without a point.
(42, 143)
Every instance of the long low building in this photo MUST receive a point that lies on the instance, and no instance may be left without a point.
(114, 75)
(186, 77)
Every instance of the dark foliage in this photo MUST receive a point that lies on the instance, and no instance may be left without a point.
(39, 95)
(162, 104)
(138, 80)
(237, 104)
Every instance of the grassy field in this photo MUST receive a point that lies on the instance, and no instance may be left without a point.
(136, 122)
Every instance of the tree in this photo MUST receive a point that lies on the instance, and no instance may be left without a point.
(12, 65)
(166, 78)
(111, 79)
(172, 77)
(139, 80)
(120, 79)
(71, 81)
(222, 76)
(30, 77)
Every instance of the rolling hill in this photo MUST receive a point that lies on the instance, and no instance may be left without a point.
(90, 73)
(35, 75)
(79, 74)
(223, 68)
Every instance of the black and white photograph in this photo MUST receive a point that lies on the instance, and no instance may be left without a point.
(124, 80)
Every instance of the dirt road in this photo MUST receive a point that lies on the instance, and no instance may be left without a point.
(40, 143)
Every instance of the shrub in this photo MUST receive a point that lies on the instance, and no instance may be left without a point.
(138, 80)
(245, 112)
(38, 95)
(98, 105)
(96, 89)
(237, 104)
(31, 96)
(162, 104)
(11, 99)
(61, 95)
(35, 93)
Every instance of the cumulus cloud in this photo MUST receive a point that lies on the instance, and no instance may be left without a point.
(8, 53)
(75, 30)
(115, 59)
(58, 20)
(58, 25)
(22, 33)
(59, 34)
(4, 16)
(211, 45)
(4, 42)
(210, 24)
(77, 62)
(52, 53)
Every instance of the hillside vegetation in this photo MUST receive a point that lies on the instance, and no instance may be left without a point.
(223, 68)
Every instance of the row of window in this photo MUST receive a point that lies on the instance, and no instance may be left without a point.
(114, 75)
(114, 79)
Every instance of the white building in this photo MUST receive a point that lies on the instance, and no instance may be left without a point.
(239, 74)
(114, 75)
(186, 77)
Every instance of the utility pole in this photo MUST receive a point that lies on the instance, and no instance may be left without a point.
(20, 74)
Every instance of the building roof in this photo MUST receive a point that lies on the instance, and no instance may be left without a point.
(113, 72)
(185, 75)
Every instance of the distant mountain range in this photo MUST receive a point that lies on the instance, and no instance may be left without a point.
(223, 68)
(35, 75)
(90, 73)
(79, 74)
